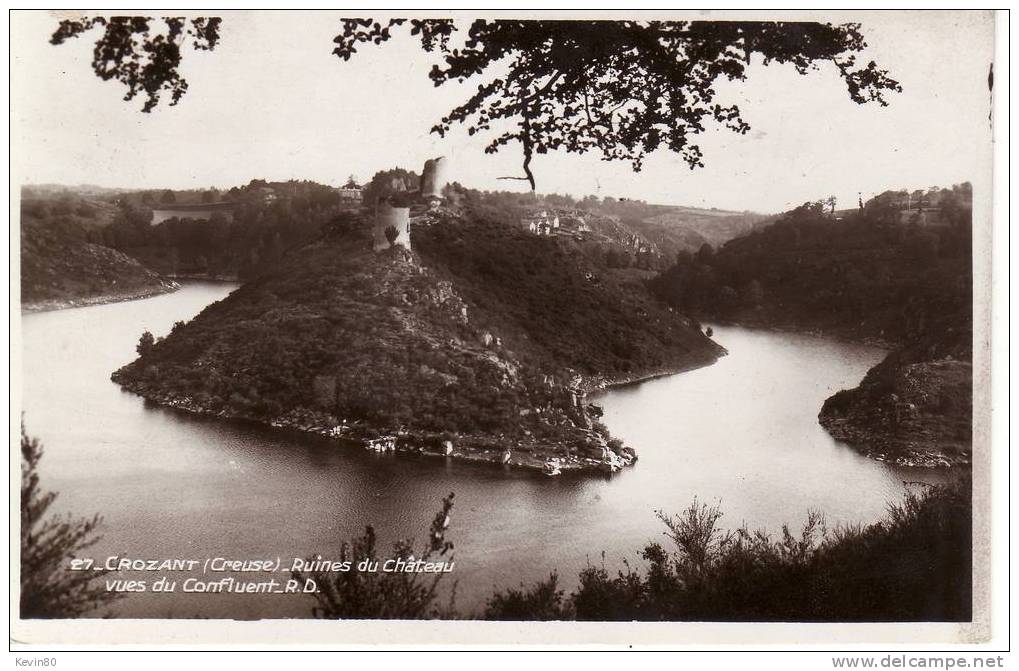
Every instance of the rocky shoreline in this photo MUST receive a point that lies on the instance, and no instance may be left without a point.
(204, 277)
(840, 335)
(874, 445)
(597, 384)
(911, 414)
(471, 447)
(166, 286)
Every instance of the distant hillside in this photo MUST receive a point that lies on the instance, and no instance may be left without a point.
(665, 229)
(900, 276)
(688, 228)
(673, 229)
(259, 223)
(865, 276)
(485, 331)
(60, 267)
(240, 232)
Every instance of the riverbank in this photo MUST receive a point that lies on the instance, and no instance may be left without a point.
(596, 384)
(165, 286)
(549, 457)
(205, 277)
(911, 413)
(913, 409)
(843, 335)
(575, 447)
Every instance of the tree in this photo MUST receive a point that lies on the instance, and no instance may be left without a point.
(145, 344)
(49, 589)
(346, 225)
(168, 197)
(619, 88)
(753, 294)
(380, 594)
(391, 235)
(541, 602)
(144, 62)
(882, 209)
(622, 88)
(955, 210)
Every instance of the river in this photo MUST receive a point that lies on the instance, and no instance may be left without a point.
(741, 433)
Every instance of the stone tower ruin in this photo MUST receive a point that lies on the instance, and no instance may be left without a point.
(393, 211)
(388, 216)
(434, 178)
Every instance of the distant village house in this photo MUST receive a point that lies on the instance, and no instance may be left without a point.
(350, 195)
(541, 222)
(351, 192)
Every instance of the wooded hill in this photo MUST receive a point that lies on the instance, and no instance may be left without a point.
(868, 275)
(61, 266)
(903, 277)
(485, 330)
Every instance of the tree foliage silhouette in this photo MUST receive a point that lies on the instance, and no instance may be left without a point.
(48, 588)
(391, 235)
(618, 88)
(385, 594)
(145, 61)
(621, 88)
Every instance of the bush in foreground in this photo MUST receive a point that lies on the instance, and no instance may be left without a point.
(49, 589)
(385, 595)
(914, 565)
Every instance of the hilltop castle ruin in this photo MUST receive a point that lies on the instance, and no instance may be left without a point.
(393, 212)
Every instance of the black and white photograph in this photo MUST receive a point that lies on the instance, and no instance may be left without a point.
(438, 318)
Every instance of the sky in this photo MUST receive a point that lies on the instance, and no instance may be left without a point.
(272, 102)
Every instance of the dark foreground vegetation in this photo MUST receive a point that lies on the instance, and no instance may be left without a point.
(915, 565)
(48, 543)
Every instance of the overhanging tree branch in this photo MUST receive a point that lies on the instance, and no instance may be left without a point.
(621, 88)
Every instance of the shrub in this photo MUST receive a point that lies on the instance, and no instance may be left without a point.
(48, 588)
(916, 565)
(381, 595)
